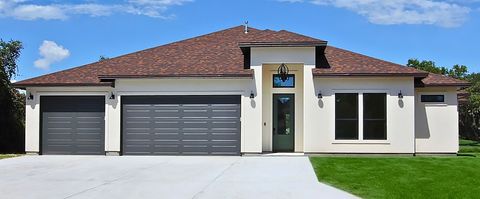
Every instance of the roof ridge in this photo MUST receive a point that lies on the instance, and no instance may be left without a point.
(290, 32)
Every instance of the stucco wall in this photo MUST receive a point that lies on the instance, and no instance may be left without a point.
(319, 117)
(436, 128)
(269, 91)
(315, 119)
(250, 120)
(32, 110)
(297, 58)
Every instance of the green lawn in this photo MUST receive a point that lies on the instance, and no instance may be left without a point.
(405, 177)
(3, 156)
(469, 146)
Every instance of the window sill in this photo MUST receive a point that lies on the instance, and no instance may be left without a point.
(383, 142)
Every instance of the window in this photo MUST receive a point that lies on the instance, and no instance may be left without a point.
(348, 120)
(346, 116)
(374, 116)
(288, 83)
(432, 98)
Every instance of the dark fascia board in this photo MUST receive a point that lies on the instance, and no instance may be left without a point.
(100, 84)
(282, 44)
(444, 85)
(422, 75)
(105, 77)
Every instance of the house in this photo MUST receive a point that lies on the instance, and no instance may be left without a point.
(238, 91)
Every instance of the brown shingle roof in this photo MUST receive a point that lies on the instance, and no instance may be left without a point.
(213, 55)
(346, 63)
(441, 80)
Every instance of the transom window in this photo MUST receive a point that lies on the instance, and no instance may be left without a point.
(432, 98)
(288, 83)
(373, 119)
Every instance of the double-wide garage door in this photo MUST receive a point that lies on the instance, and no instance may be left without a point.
(181, 125)
(72, 125)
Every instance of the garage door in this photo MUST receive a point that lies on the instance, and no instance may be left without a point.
(181, 125)
(73, 125)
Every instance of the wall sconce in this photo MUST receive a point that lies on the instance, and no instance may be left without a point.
(320, 96)
(252, 95)
(112, 96)
(30, 96)
(400, 95)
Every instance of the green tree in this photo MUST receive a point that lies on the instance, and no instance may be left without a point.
(469, 112)
(102, 58)
(12, 118)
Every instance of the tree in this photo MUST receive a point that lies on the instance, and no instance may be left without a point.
(12, 119)
(469, 112)
(102, 58)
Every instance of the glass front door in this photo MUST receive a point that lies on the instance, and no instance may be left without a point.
(283, 122)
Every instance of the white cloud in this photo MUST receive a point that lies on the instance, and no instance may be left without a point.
(439, 13)
(51, 52)
(32, 12)
(24, 10)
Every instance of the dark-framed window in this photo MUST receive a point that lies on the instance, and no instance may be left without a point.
(374, 116)
(432, 98)
(288, 83)
(346, 116)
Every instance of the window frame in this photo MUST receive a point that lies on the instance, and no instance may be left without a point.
(360, 117)
(432, 94)
(288, 75)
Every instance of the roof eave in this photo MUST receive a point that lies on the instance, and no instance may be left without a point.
(282, 44)
(219, 76)
(417, 75)
(25, 85)
(447, 85)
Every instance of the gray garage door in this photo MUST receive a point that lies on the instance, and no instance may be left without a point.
(73, 125)
(181, 125)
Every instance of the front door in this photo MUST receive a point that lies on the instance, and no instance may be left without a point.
(283, 122)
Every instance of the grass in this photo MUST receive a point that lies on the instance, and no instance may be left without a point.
(3, 156)
(469, 146)
(405, 177)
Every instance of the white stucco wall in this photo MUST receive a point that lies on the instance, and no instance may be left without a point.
(270, 57)
(269, 91)
(32, 110)
(315, 119)
(320, 115)
(436, 127)
(250, 120)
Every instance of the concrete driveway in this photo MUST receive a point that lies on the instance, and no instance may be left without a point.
(161, 177)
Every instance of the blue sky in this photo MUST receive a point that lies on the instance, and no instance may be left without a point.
(58, 35)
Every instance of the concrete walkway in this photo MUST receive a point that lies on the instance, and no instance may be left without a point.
(161, 177)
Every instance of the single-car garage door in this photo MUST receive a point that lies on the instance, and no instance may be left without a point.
(181, 125)
(73, 125)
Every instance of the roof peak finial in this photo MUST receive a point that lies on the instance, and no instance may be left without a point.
(246, 27)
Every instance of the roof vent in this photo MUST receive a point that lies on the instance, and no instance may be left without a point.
(246, 27)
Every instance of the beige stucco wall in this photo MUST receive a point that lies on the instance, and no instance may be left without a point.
(436, 127)
(320, 115)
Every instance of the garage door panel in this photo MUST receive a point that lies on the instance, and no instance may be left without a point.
(181, 125)
(73, 125)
